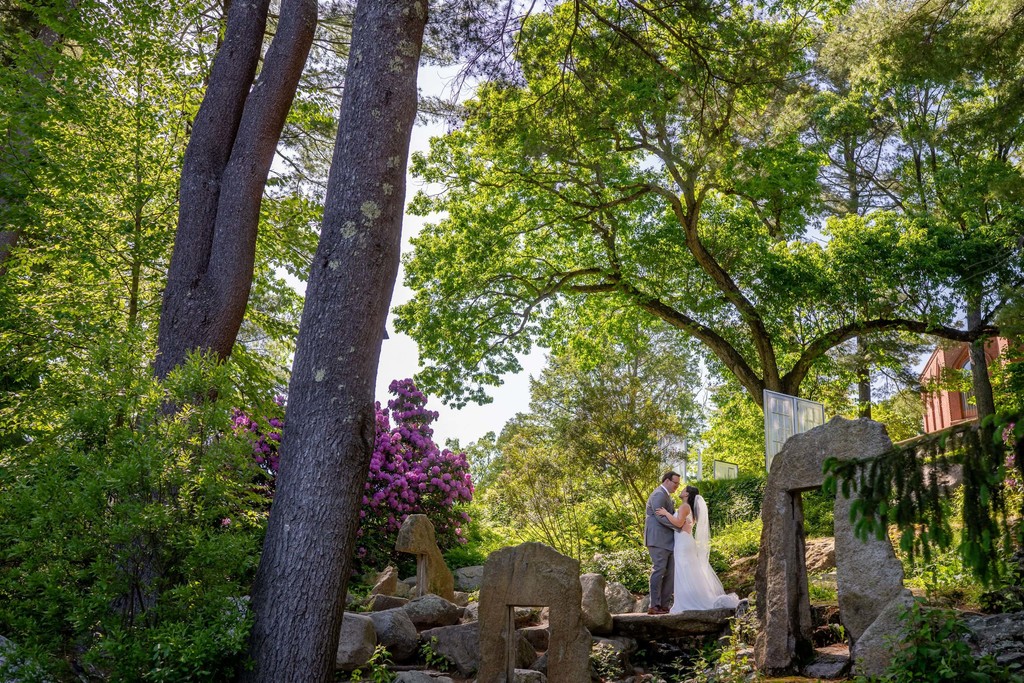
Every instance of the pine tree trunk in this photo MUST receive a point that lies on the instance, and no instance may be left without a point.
(299, 592)
(979, 362)
(224, 172)
(863, 379)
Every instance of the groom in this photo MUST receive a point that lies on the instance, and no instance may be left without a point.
(659, 537)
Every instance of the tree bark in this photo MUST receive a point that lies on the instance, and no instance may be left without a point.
(863, 378)
(224, 172)
(983, 395)
(299, 591)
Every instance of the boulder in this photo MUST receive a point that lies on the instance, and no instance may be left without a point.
(404, 590)
(529, 676)
(619, 599)
(642, 605)
(379, 603)
(668, 626)
(431, 611)
(468, 578)
(471, 612)
(999, 635)
(396, 632)
(387, 582)
(416, 536)
(621, 649)
(537, 636)
(527, 616)
(820, 555)
(356, 642)
(872, 651)
(461, 599)
(460, 644)
(420, 677)
(596, 616)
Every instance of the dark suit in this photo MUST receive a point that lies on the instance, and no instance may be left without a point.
(660, 539)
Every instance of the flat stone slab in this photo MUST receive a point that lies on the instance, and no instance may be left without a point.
(657, 626)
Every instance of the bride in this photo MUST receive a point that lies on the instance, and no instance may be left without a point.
(696, 585)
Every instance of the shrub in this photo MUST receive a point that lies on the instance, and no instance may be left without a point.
(128, 534)
(630, 567)
(733, 500)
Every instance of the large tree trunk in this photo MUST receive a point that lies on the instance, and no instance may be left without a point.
(224, 172)
(979, 362)
(863, 378)
(299, 592)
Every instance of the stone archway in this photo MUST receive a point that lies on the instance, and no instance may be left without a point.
(532, 575)
(869, 576)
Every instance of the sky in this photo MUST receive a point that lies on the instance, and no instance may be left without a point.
(399, 355)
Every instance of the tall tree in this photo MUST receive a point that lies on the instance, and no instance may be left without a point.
(642, 161)
(225, 169)
(299, 592)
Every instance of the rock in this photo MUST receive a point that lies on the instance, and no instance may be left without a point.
(396, 632)
(596, 616)
(642, 605)
(460, 644)
(471, 612)
(529, 676)
(461, 599)
(667, 626)
(431, 611)
(534, 574)
(872, 652)
(420, 677)
(537, 636)
(416, 536)
(379, 603)
(619, 599)
(356, 642)
(621, 648)
(999, 635)
(828, 663)
(820, 555)
(526, 616)
(468, 578)
(387, 582)
(403, 590)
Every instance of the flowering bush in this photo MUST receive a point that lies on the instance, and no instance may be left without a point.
(408, 473)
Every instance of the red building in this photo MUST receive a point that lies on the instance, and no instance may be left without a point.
(946, 408)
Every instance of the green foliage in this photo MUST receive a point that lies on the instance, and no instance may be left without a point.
(376, 667)
(822, 591)
(735, 434)
(733, 500)
(129, 535)
(631, 567)
(819, 513)
(606, 662)
(739, 539)
(903, 487)
(729, 664)
(932, 648)
(433, 658)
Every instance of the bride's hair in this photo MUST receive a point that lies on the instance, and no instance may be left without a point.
(691, 499)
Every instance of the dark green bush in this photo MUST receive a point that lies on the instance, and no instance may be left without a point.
(630, 567)
(127, 535)
(733, 500)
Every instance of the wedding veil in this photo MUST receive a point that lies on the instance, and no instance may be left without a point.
(702, 529)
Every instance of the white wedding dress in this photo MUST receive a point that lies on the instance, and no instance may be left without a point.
(696, 586)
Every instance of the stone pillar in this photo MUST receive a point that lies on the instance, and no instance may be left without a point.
(870, 577)
(532, 575)
(416, 536)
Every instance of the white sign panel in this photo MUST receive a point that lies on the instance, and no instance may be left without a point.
(784, 416)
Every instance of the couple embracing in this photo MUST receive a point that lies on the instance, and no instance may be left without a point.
(679, 542)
